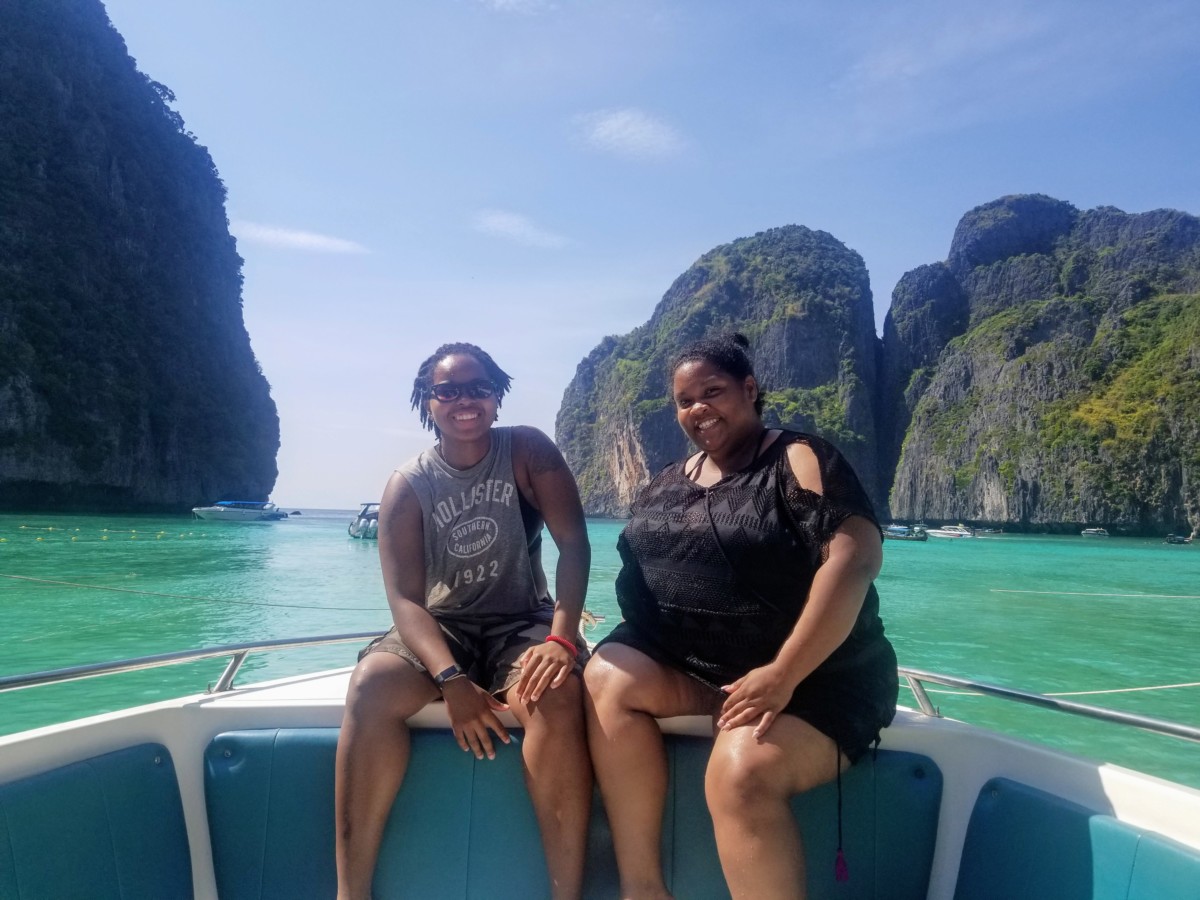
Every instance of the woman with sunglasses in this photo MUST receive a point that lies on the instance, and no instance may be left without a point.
(746, 589)
(460, 548)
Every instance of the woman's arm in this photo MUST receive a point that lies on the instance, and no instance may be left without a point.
(553, 491)
(839, 587)
(402, 559)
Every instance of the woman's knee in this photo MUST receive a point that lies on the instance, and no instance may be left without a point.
(598, 673)
(792, 758)
(560, 706)
(617, 668)
(743, 778)
(384, 683)
(608, 684)
(569, 694)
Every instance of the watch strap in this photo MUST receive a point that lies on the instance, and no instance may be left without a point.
(453, 671)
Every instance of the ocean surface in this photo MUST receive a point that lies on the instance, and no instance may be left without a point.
(1111, 622)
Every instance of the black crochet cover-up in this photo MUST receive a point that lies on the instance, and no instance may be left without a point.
(714, 579)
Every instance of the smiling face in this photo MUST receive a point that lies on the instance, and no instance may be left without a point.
(466, 418)
(715, 409)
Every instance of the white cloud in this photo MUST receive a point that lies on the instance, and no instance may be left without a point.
(292, 239)
(515, 227)
(631, 133)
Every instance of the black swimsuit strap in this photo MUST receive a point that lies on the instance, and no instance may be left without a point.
(758, 447)
(694, 472)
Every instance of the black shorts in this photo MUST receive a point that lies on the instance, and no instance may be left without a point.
(850, 705)
(487, 651)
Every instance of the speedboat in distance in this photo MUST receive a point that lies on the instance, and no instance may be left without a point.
(366, 523)
(905, 533)
(240, 511)
(951, 531)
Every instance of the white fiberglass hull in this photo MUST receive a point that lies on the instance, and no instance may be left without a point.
(227, 514)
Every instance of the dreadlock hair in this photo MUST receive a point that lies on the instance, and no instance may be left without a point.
(729, 352)
(424, 380)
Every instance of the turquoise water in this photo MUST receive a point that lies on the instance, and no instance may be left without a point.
(1044, 614)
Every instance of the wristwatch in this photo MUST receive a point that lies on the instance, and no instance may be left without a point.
(454, 671)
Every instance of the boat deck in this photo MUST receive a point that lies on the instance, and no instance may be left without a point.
(943, 811)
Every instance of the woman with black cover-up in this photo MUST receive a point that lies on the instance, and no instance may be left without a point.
(747, 593)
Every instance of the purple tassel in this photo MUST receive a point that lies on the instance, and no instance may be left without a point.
(840, 869)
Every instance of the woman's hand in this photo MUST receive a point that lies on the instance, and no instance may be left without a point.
(472, 712)
(543, 666)
(759, 695)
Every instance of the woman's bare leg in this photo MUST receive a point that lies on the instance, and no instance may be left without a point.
(558, 773)
(372, 757)
(625, 691)
(749, 784)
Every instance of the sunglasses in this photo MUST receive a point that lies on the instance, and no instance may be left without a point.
(447, 391)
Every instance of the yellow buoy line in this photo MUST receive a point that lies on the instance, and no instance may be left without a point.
(121, 590)
(103, 534)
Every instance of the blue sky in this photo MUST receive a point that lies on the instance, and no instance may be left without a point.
(532, 175)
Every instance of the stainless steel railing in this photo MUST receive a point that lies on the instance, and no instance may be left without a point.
(916, 681)
(237, 654)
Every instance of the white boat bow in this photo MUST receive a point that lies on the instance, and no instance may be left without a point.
(943, 810)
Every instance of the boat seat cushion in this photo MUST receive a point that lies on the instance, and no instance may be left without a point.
(1024, 842)
(465, 828)
(107, 827)
(890, 804)
(456, 822)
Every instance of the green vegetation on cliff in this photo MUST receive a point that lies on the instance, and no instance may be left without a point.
(1072, 393)
(126, 375)
(1143, 405)
(819, 410)
(1045, 375)
(804, 301)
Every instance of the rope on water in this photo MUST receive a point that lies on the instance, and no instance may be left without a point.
(1129, 690)
(121, 590)
(1153, 687)
(1085, 594)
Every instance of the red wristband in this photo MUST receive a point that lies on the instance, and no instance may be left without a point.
(564, 642)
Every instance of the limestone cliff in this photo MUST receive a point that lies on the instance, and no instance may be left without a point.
(1046, 375)
(127, 380)
(1051, 371)
(804, 301)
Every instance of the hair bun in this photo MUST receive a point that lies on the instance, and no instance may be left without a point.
(740, 339)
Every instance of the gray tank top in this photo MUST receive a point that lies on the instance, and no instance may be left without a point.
(480, 559)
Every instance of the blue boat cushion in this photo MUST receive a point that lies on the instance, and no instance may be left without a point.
(269, 795)
(890, 803)
(107, 827)
(1024, 842)
(466, 828)
(455, 827)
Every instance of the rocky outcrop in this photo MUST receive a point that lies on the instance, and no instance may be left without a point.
(1073, 394)
(802, 298)
(1046, 375)
(127, 380)
(1009, 228)
(929, 309)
